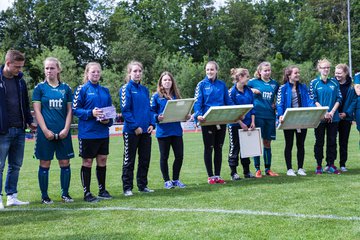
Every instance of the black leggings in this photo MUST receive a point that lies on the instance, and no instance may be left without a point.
(213, 138)
(176, 142)
(331, 132)
(289, 141)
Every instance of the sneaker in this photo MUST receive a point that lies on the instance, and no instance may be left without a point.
(128, 193)
(271, 173)
(90, 198)
(291, 173)
(258, 174)
(46, 200)
(104, 195)
(249, 175)
(301, 172)
(12, 200)
(219, 180)
(235, 177)
(318, 170)
(178, 183)
(326, 169)
(333, 169)
(1, 203)
(168, 184)
(67, 199)
(146, 190)
(211, 180)
(343, 169)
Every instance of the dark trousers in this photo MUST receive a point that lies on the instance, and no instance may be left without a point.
(289, 141)
(142, 144)
(234, 150)
(344, 132)
(213, 138)
(176, 142)
(331, 131)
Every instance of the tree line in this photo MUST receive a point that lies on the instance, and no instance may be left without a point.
(179, 36)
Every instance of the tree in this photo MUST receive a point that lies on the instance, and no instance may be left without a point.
(69, 73)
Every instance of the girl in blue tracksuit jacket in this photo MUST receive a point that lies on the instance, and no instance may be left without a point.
(346, 111)
(211, 92)
(93, 134)
(240, 94)
(293, 94)
(138, 124)
(264, 89)
(325, 91)
(168, 134)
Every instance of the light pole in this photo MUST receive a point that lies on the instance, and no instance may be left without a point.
(349, 37)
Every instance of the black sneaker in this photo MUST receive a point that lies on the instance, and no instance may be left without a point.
(104, 195)
(90, 198)
(46, 200)
(67, 199)
(146, 190)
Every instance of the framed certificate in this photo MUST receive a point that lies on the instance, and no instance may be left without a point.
(250, 143)
(304, 117)
(225, 114)
(177, 110)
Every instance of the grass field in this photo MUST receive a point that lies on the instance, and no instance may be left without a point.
(310, 207)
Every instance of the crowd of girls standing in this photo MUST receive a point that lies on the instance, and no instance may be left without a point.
(54, 106)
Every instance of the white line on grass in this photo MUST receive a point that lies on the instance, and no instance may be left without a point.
(190, 210)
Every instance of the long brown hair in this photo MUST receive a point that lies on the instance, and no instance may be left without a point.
(173, 90)
(87, 68)
(287, 72)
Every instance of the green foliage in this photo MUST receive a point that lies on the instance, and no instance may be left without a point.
(69, 74)
(186, 73)
(241, 33)
(113, 82)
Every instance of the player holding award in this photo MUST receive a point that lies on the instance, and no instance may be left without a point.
(240, 93)
(293, 94)
(93, 133)
(211, 92)
(168, 134)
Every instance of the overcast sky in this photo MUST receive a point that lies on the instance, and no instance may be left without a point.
(6, 3)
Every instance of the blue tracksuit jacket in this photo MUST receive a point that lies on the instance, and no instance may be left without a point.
(210, 93)
(135, 107)
(285, 95)
(164, 129)
(86, 98)
(242, 98)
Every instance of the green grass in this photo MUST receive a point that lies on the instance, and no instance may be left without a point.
(310, 195)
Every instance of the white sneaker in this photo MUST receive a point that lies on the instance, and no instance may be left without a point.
(128, 193)
(343, 169)
(12, 200)
(291, 172)
(301, 172)
(1, 203)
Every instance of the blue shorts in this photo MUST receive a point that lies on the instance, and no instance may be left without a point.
(268, 129)
(45, 149)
